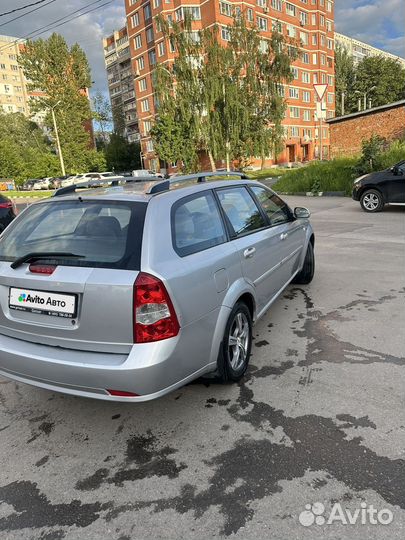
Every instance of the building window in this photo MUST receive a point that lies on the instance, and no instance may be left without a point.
(305, 58)
(149, 34)
(14, 68)
(303, 18)
(277, 26)
(314, 39)
(145, 105)
(277, 5)
(262, 23)
(306, 77)
(143, 85)
(307, 115)
(304, 38)
(138, 41)
(156, 3)
(330, 80)
(290, 9)
(295, 131)
(193, 11)
(6, 89)
(225, 9)
(152, 57)
(313, 20)
(330, 97)
(135, 20)
(306, 96)
(147, 12)
(147, 126)
(140, 63)
(225, 34)
(294, 112)
(322, 20)
(295, 72)
(294, 93)
(290, 31)
(314, 58)
(161, 48)
(329, 6)
(249, 14)
(149, 146)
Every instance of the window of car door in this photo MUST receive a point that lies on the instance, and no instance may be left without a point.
(241, 211)
(275, 208)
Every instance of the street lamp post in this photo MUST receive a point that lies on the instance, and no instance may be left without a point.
(55, 127)
(365, 94)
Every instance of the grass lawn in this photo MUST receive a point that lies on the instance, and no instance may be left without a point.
(12, 194)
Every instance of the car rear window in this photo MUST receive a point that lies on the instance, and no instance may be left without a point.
(106, 234)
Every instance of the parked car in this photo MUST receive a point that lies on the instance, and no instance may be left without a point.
(28, 184)
(376, 189)
(128, 294)
(145, 173)
(43, 183)
(8, 212)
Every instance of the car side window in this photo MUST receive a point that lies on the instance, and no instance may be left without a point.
(241, 210)
(196, 224)
(275, 208)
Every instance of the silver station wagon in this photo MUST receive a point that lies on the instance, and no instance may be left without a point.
(128, 291)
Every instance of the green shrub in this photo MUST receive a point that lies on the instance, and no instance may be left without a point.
(334, 175)
(395, 153)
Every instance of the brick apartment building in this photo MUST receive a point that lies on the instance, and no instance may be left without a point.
(120, 77)
(311, 21)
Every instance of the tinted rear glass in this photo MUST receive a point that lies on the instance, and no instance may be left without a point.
(107, 234)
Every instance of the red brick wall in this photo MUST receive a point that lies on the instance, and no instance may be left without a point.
(347, 135)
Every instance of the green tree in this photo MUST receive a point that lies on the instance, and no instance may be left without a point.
(226, 101)
(122, 155)
(25, 152)
(62, 76)
(102, 114)
(345, 79)
(381, 79)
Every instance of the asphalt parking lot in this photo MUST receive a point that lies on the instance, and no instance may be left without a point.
(319, 418)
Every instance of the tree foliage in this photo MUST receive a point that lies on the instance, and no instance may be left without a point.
(122, 155)
(381, 80)
(223, 100)
(25, 152)
(61, 76)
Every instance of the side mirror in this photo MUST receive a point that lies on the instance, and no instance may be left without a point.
(395, 171)
(301, 213)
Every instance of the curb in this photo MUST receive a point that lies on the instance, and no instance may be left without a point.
(324, 194)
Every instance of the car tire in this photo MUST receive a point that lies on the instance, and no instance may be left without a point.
(233, 358)
(372, 201)
(307, 271)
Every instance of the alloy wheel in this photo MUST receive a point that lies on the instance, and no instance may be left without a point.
(238, 341)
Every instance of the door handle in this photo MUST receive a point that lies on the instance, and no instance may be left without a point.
(249, 252)
(283, 236)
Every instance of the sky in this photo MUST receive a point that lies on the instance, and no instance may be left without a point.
(378, 22)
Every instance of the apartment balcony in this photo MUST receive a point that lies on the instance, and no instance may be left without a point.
(128, 95)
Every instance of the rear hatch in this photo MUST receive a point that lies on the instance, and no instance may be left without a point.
(67, 273)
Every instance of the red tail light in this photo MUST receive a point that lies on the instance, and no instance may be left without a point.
(46, 269)
(7, 204)
(154, 315)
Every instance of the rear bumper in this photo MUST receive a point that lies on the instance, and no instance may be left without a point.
(150, 370)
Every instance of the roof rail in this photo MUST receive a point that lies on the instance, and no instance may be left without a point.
(100, 183)
(200, 177)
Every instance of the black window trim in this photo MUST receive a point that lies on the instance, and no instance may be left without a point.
(232, 234)
(185, 199)
(270, 225)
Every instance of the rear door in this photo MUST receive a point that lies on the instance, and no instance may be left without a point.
(83, 303)
(292, 232)
(259, 245)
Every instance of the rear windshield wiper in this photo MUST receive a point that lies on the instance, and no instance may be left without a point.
(36, 256)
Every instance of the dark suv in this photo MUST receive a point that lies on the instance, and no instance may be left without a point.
(7, 212)
(376, 189)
